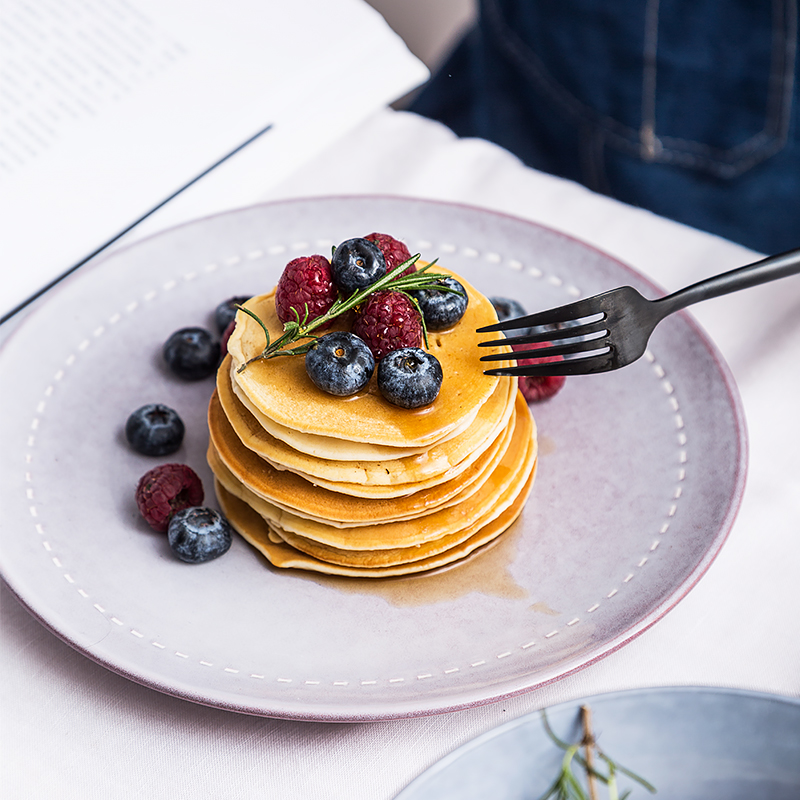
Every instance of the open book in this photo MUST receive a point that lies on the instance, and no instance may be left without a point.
(111, 108)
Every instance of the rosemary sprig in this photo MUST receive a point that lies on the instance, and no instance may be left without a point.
(566, 786)
(299, 329)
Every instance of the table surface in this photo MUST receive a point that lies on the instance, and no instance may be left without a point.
(72, 729)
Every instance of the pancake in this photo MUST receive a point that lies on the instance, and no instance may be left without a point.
(235, 465)
(256, 531)
(439, 460)
(355, 486)
(328, 448)
(496, 491)
(366, 510)
(453, 534)
(281, 391)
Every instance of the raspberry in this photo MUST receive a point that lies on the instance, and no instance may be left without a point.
(388, 321)
(165, 490)
(305, 282)
(394, 251)
(535, 389)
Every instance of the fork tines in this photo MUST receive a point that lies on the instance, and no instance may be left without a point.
(571, 312)
(576, 330)
(551, 336)
(602, 361)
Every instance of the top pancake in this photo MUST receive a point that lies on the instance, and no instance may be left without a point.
(280, 389)
(433, 461)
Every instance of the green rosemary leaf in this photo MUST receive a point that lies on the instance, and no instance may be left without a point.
(571, 783)
(414, 302)
(567, 786)
(546, 722)
(257, 319)
(553, 789)
(630, 773)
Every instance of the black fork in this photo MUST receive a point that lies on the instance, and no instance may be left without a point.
(611, 330)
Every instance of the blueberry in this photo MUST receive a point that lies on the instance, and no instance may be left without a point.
(199, 534)
(192, 353)
(225, 312)
(340, 363)
(154, 430)
(442, 309)
(356, 264)
(409, 377)
(507, 308)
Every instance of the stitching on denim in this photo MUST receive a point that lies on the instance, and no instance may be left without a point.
(724, 163)
(781, 81)
(717, 168)
(789, 57)
(779, 101)
(650, 144)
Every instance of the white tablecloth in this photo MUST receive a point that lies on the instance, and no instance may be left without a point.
(72, 729)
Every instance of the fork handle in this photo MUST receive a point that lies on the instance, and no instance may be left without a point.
(763, 271)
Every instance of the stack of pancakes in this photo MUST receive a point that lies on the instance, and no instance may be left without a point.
(356, 486)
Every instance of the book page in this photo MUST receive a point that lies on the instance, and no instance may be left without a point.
(111, 107)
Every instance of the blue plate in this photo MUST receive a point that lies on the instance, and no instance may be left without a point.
(689, 743)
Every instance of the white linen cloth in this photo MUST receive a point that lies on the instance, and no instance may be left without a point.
(72, 729)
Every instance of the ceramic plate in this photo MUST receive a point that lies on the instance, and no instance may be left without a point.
(689, 743)
(641, 473)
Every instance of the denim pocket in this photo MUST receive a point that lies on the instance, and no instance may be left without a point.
(694, 83)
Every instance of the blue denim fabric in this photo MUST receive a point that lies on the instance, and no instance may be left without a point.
(686, 107)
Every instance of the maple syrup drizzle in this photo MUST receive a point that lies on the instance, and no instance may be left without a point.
(485, 571)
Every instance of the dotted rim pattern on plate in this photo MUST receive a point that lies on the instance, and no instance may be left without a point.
(447, 248)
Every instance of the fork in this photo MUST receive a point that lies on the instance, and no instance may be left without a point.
(611, 330)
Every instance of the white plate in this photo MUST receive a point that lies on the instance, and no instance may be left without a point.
(689, 743)
(640, 477)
